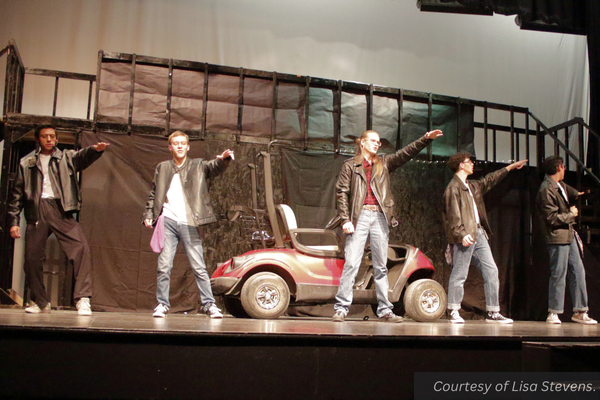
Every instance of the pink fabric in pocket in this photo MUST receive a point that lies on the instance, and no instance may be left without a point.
(158, 236)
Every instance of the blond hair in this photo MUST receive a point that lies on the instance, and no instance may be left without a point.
(178, 133)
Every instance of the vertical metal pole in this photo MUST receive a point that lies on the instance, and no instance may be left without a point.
(204, 100)
(458, 110)
(274, 105)
(306, 111)
(240, 106)
(131, 91)
(567, 157)
(495, 144)
(429, 123)
(527, 145)
(98, 81)
(485, 132)
(541, 146)
(89, 107)
(169, 94)
(55, 97)
(370, 108)
(337, 116)
(512, 135)
(400, 112)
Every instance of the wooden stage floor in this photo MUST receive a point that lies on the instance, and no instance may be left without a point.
(133, 355)
(195, 324)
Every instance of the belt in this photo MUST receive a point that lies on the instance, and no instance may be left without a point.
(371, 207)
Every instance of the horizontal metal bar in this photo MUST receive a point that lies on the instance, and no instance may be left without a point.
(60, 74)
(574, 121)
(502, 128)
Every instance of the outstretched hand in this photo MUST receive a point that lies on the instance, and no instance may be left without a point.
(100, 146)
(434, 134)
(517, 165)
(226, 154)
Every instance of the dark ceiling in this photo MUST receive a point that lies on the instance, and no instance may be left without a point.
(561, 16)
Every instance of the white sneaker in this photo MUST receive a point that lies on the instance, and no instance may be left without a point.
(213, 311)
(583, 318)
(496, 317)
(160, 311)
(553, 319)
(84, 307)
(455, 317)
(35, 309)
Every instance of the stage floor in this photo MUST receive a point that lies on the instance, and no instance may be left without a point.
(195, 324)
(133, 355)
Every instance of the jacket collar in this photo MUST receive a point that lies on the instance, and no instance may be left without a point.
(182, 167)
(461, 184)
(34, 160)
(550, 180)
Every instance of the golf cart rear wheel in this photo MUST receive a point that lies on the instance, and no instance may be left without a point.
(265, 296)
(425, 300)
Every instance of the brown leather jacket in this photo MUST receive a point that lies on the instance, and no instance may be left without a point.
(351, 187)
(459, 214)
(554, 210)
(194, 179)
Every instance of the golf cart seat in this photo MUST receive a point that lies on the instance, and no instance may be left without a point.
(313, 242)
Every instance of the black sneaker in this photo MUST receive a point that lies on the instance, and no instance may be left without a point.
(391, 317)
(338, 317)
(494, 316)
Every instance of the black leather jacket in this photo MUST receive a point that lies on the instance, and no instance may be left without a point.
(351, 187)
(194, 174)
(554, 209)
(64, 166)
(459, 214)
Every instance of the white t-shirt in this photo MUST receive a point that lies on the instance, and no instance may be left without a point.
(175, 206)
(47, 192)
(474, 205)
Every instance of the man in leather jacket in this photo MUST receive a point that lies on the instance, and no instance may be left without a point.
(565, 261)
(366, 209)
(180, 196)
(467, 230)
(47, 188)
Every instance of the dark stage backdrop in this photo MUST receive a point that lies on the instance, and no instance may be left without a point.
(115, 190)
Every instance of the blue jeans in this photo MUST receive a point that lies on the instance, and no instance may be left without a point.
(373, 224)
(565, 263)
(480, 255)
(189, 237)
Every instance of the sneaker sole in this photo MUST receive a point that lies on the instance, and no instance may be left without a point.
(584, 322)
(498, 322)
(457, 322)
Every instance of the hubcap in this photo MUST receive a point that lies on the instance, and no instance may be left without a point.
(267, 297)
(430, 301)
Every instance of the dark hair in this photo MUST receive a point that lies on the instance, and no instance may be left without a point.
(455, 160)
(552, 163)
(39, 129)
